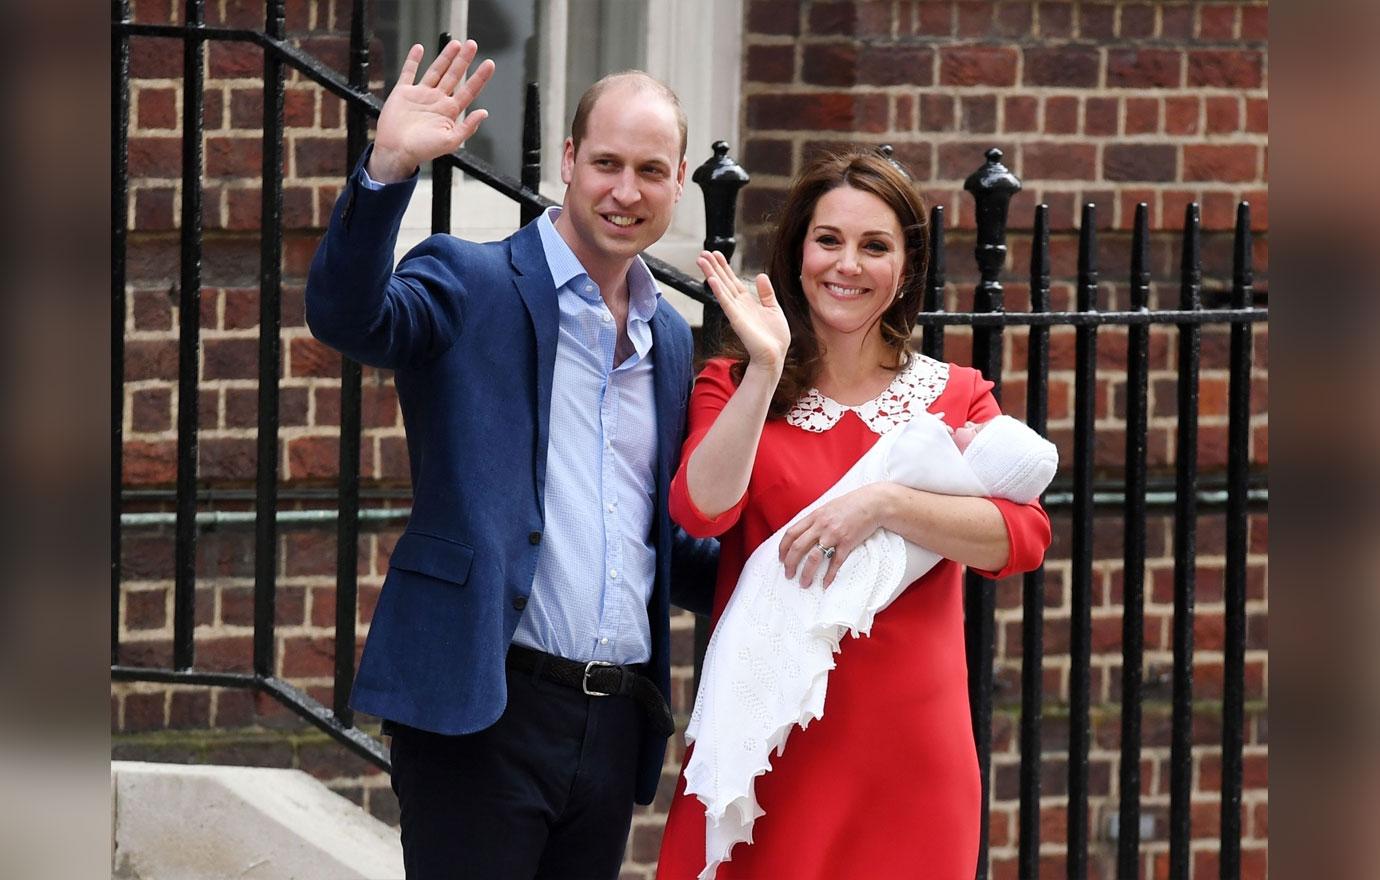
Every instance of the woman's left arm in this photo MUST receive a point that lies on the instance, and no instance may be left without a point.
(970, 531)
(992, 536)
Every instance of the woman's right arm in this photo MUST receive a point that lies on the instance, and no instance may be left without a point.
(719, 467)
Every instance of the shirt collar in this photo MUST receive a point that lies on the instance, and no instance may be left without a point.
(565, 267)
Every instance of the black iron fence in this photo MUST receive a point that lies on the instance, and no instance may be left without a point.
(992, 186)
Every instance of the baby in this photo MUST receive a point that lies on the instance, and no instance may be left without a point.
(1009, 459)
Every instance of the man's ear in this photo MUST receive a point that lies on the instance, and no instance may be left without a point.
(680, 180)
(567, 161)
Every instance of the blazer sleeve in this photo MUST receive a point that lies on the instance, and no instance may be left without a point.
(357, 304)
(1027, 525)
(713, 388)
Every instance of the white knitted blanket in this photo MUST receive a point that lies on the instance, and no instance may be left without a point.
(767, 665)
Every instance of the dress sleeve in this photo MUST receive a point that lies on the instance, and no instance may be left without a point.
(1027, 525)
(713, 387)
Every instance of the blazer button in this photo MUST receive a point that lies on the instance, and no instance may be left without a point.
(534, 538)
(520, 602)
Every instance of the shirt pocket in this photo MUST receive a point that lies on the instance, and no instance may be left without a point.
(432, 556)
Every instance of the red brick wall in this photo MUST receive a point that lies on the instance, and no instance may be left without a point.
(1110, 102)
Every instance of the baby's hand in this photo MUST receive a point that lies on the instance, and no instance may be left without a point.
(964, 435)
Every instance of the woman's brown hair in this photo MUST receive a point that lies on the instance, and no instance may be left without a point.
(870, 172)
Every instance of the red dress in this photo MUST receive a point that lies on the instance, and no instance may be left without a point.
(886, 784)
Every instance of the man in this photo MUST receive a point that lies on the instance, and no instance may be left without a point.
(519, 650)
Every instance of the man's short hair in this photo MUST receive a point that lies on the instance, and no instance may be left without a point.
(643, 81)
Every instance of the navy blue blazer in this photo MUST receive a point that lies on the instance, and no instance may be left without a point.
(470, 333)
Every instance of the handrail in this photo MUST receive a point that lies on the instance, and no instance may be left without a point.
(327, 78)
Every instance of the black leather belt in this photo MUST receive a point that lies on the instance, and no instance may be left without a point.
(597, 678)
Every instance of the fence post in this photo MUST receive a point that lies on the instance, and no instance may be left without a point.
(992, 187)
(719, 178)
(531, 150)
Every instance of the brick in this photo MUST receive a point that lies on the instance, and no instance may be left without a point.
(1020, 113)
(154, 58)
(1176, 22)
(311, 358)
(1065, 66)
(977, 65)
(1137, 21)
(150, 310)
(1217, 21)
(1223, 115)
(154, 209)
(1143, 69)
(238, 14)
(318, 157)
(903, 113)
(1181, 115)
(234, 156)
(873, 18)
(831, 111)
(1255, 23)
(937, 112)
(313, 458)
(230, 359)
(1142, 115)
(830, 64)
(150, 359)
(235, 61)
(1097, 21)
(978, 113)
(1014, 19)
(1132, 162)
(146, 609)
(773, 17)
(934, 19)
(1257, 115)
(1055, 19)
(1061, 115)
(832, 19)
(145, 712)
(975, 17)
(157, 108)
(226, 458)
(767, 156)
(1225, 68)
(896, 66)
(155, 157)
(299, 108)
(307, 657)
(1100, 116)
(246, 108)
(770, 64)
(151, 410)
(1058, 161)
(190, 709)
(213, 109)
(1229, 163)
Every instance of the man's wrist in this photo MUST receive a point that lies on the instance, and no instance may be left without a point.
(386, 166)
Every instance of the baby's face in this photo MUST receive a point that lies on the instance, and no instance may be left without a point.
(964, 436)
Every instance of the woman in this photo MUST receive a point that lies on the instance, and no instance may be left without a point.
(886, 783)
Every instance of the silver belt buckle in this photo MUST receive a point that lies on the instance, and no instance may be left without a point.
(584, 683)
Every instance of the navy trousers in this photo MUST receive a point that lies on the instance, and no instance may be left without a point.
(546, 792)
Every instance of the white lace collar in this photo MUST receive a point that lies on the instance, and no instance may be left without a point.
(918, 385)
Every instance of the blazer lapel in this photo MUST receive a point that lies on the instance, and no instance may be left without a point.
(538, 293)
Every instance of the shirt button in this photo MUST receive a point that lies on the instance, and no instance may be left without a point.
(589, 288)
(603, 641)
(534, 538)
(520, 602)
(613, 573)
(607, 317)
(612, 508)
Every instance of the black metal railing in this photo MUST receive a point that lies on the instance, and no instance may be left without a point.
(1134, 492)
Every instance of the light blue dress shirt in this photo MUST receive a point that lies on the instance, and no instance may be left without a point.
(597, 561)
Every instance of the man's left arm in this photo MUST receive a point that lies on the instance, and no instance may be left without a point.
(694, 567)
